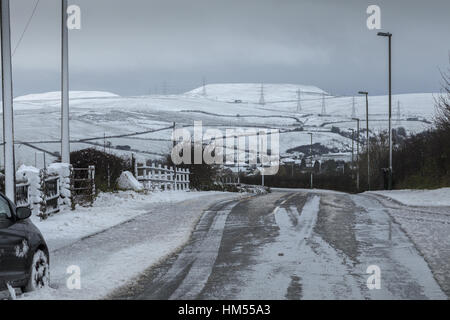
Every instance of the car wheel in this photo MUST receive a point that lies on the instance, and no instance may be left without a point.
(39, 272)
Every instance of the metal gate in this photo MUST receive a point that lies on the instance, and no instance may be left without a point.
(82, 186)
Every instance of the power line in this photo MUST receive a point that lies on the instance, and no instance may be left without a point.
(26, 27)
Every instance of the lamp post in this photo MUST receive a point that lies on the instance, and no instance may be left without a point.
(367, 136)
(357, 152)
(353, 147)
(312, 166)
(389, 36)
(65, 132)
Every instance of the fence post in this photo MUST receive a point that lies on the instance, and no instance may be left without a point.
(92, 182)
(72, 189)
(43, 202)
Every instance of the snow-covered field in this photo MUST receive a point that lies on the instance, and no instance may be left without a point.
(425, 198)
(99, 114)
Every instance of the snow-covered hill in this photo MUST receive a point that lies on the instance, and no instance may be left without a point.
(56, 95)
(251, 92)
(99, 114)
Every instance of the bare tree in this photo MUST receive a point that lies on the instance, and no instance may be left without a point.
(442, 118)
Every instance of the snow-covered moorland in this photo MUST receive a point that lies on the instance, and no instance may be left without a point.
(99, 114)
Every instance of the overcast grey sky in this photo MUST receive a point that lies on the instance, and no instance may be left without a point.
(131, 47)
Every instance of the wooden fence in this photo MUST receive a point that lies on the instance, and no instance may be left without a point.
(157, 177)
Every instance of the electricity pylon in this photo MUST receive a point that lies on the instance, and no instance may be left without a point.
(299, 101)
(353, 108)
(262, 101)
(324, 108)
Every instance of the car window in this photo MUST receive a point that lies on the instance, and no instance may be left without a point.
(5, 210)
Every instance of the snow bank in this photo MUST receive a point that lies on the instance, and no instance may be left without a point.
(32, 175)
(430, 198)
(127, 181)
(63, 170)
(109, 209)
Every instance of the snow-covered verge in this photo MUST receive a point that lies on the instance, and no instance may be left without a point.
(109, 209)
(118, 238)
(426, 198)
(426, 220)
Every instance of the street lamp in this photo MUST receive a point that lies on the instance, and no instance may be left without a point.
(389, 36)
(312, 166)
(357, 152)
(368, 142)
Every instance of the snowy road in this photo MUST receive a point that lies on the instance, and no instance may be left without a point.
(297, 245)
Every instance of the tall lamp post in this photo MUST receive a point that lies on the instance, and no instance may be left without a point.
(367, 136)
(357, 152)
(312, 166)
(65, 133)
(389, 36)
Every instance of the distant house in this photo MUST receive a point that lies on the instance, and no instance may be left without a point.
(125, 148)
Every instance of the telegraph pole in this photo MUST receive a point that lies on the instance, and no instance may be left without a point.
(7, 98)
(65, 131)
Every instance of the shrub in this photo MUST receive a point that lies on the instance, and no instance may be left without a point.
(108, 167)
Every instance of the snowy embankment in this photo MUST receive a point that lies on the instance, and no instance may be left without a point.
(109, 210)
(425, 216)
(118, 238)
(425, 198)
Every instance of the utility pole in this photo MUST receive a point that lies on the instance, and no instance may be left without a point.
(357, 153)
(312, 166)
(389, 36)
(7, 99)
(367, 137)
(398, 112)
(65, 131)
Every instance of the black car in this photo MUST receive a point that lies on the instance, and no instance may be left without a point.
(24, 256)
